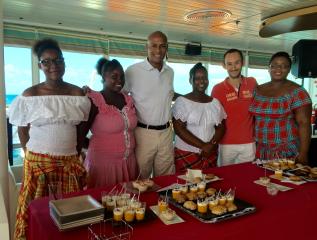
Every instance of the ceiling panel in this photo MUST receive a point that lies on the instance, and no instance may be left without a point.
(137, 18)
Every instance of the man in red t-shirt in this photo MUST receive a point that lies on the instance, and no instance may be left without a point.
(235, 94)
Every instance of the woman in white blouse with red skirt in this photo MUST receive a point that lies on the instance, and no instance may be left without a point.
(198, 123)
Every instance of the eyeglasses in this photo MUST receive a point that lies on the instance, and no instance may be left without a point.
(282, 66)
(48, 62)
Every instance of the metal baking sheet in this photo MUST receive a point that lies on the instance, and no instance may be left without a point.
(75, 208)
(243, 209)
(75, 224)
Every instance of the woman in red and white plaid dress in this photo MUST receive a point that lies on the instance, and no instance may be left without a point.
(282, 111)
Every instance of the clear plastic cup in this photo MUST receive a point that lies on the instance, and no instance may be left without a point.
(129, 215)
(271, 189)
(55, 190)
(105, 197)
(278, 174)
(202, 206)
(140, 212)
(117, 214)
(193, 189)
(222, 200)
(213, 202)
(175, 193)
(162, 204)
(201, 186)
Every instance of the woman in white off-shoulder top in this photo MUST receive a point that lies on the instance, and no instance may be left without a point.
(198, 121)
(47, 116)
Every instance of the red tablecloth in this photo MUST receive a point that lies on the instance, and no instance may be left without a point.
(288, 215)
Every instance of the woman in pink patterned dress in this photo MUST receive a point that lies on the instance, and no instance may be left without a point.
(110, 158)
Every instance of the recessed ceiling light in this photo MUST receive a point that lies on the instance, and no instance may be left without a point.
(207, 14)
(59, 23)
(21, 18)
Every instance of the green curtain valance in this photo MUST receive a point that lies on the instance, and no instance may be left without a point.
(113, 45)
(69, 40)
(259, 59)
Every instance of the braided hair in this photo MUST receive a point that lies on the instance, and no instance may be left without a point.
(194, 69)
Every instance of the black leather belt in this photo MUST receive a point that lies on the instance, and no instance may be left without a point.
(160, 127)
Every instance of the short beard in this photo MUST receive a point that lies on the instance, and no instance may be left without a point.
(237, 76)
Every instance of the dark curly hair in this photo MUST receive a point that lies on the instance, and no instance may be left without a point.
(281, 54)
(194, 69)
(44, 44)
(104, 65)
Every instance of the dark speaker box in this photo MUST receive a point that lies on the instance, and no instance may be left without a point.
(304, 59)
(192, 50)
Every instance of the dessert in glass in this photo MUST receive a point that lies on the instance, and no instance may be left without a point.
(201, 186)
(213, 202)
(184, 189)
(110, 204)
(175, 193)
(278, 174)
(117, 214)
(230, 196)
(121, 202)
(291, 163)
(105, 197)
(129, 214)
(162, 204)
(193, 189)
(222, 199)
(134, 204)
(140, 212)
(202, 206)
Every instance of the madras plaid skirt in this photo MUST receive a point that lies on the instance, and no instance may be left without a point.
(277, 151)
(40, 170)
(185, 159)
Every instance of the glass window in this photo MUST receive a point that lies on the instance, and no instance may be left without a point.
(126, 62)
(181, 77)
(313, 93)
(18, 77)
(261, 75)
(17, 71)
(216, 74)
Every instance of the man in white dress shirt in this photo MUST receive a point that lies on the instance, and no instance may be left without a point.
(150, 84)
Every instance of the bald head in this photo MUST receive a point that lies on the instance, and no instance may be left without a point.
(157, 34)
(156, 49)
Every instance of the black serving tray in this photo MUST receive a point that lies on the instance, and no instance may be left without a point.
(149, 216)
(243, 208)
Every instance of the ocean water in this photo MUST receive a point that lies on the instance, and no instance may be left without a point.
(10, 98)
(17, 152)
